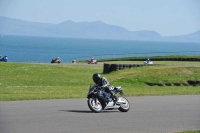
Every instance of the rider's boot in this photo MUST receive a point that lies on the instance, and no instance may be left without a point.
(114, 97)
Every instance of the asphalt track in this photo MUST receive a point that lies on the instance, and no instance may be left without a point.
(149, 114)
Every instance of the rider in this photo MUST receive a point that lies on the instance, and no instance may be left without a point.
(103, 82)
(57, 58)
(148, 60)
(5, 58)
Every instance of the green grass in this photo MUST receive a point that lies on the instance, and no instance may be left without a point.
(21, 81)
(151, 57)
(192, 131)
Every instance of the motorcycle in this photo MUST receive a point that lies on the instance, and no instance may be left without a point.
(56, 61)
(99, 99)
(4, 59)
(92, 61)
(148, 62)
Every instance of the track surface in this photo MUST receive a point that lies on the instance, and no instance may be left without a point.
(149, 114)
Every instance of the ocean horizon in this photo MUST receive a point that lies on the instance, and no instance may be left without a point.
(44, 49)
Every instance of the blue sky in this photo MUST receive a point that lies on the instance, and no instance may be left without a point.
(167, 17)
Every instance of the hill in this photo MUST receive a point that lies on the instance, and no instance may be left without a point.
(97, 30)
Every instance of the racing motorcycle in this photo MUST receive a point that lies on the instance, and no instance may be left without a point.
(99, 99)
(92, 61)
(56, 61)
(148, 63)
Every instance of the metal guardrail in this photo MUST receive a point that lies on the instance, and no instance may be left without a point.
(139, 55)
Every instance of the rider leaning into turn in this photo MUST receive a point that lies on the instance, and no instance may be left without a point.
(102, 82)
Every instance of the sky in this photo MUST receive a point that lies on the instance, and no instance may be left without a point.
(167, 17)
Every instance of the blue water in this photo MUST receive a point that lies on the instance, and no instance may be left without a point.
(43, 49)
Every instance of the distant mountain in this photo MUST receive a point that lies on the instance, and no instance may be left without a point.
(193, 37)
(97, 29)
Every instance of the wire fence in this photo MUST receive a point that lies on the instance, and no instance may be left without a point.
(136, 55)
(139, 55)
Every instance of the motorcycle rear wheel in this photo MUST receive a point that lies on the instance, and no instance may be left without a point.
(94, 106)
(124, 107)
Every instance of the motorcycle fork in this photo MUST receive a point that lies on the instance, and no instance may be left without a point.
(95, 101)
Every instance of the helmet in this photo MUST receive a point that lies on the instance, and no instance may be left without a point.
(96, 77)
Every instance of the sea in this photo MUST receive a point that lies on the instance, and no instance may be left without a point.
(36, 49)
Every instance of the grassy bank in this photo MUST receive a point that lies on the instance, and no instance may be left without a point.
(20, 81)
(156, 58)
(192, 131)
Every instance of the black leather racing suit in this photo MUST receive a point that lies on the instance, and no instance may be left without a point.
(103, 82)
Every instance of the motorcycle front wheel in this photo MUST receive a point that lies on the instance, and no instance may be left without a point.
(125, 106)
(94, 106)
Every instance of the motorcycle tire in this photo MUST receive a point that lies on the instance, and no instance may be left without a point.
(95, 107)
(124, 107)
